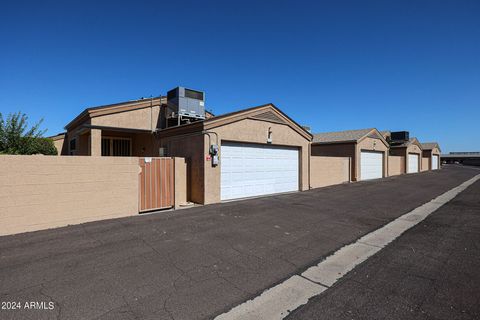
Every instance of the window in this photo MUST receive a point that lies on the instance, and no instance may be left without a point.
(105, 147)
(163, 152)
(73, 144)
(117, 147)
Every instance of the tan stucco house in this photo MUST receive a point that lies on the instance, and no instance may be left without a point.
(430, 156)
(122, 129)
(261, 151)
(367, 149)
(410, 152)
(250, 152)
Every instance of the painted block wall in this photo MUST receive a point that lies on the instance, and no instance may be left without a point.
(326, 171)
(41, 192)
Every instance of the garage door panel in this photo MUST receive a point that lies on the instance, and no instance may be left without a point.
(413, 160)
(434, 162)
(250, 170)
(371, 165)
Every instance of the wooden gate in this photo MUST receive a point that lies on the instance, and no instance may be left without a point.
(156, 184)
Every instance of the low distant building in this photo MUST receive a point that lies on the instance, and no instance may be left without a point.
(467, 158)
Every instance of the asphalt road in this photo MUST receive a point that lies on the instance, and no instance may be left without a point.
(430, 272)
(199, 262)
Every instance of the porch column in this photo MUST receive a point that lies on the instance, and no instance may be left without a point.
(96, 142)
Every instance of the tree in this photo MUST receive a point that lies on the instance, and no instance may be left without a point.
(16, 138)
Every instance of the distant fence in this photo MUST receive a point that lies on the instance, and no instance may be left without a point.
(326, 171)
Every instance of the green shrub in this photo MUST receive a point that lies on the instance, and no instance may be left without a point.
(16, 139)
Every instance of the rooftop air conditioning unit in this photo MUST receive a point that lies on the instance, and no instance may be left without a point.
(186, 103)
(399, 136)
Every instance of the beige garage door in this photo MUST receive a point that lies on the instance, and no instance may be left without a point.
(249, 170)
(413, 160)
(371, 165)
(434, 162)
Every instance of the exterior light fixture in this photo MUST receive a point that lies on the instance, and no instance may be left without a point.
(269, 137)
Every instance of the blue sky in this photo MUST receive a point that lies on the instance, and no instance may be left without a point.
(336, 65)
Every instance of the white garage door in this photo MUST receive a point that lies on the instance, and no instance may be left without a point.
(412, 163)
(371, 165)
(249, 170)
(434, 162)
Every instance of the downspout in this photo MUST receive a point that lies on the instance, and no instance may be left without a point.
(151, 113)
(153, 132)
(309, 166)
(350, 169)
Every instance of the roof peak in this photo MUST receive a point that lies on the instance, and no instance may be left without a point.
(430, 145)
(345, 136)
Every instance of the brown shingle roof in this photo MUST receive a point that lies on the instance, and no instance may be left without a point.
(407, 143)
(429, 145)
(340, 136)
(385, 133)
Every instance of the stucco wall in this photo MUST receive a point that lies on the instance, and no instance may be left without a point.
(82, 136)
(352, 150)
(396, 165)
(180, 182)
(40, 192)
(60, 145)
(428, 154)
(83, 145)
(146, 118)
(347, 150)
(189, 147)
(326, 171)
(144, 145)
(370, 144)
(404, 151)
(425, 164)
(398, 151)
(253, 131)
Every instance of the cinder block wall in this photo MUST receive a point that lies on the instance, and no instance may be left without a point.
(41, 192)
(425, 164)
(396, 165)
(326, 171)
